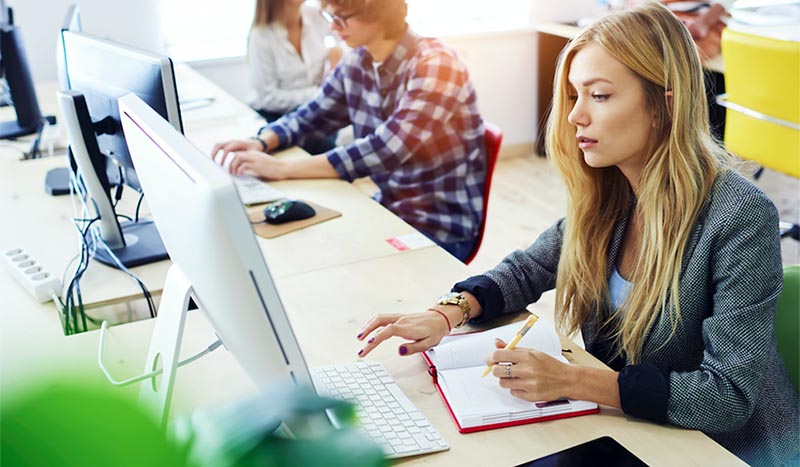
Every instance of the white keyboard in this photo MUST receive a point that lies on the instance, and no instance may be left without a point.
(385, 413)
(254, 191)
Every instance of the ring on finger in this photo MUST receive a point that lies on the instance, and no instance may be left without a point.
(508, 370)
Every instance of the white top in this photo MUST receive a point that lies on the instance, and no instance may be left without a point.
(281, 78)
(618, 289)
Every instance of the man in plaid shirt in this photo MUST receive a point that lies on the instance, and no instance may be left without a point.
(418, 133)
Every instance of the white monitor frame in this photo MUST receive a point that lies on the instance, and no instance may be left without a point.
(216, 259)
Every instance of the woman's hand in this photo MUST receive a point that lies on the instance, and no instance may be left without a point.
(424, 330)
(532, 375)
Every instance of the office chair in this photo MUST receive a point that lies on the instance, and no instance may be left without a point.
(787, 323)
(762, 77)
(493, 138)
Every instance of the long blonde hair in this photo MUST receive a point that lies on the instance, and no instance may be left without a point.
(681, 163)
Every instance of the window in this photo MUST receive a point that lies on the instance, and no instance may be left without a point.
(213, 29)
(460, 17)
(205, 29)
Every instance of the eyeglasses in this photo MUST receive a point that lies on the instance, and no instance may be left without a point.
(337, 19)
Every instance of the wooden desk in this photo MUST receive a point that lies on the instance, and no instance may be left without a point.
(326, 308)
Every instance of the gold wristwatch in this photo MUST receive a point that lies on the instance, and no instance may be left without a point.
(455, 298)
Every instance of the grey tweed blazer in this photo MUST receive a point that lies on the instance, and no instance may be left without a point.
(726, 377)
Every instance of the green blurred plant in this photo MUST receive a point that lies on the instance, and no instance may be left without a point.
(72, 423)
(279, 428)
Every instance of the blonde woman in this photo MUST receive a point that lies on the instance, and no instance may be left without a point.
(668, 261)
(288, 59)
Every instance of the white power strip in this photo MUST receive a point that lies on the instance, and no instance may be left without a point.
(31, 275)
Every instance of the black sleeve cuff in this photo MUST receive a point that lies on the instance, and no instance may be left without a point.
(488, 295)
(644, 391)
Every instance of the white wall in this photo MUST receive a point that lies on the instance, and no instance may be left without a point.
(502, 65)
(131, 22)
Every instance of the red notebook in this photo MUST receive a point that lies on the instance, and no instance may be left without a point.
(478, 404)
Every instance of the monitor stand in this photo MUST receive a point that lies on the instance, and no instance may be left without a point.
(143, 245)
(12, 129)
(58, 181)
(121, 245)
(165, 345)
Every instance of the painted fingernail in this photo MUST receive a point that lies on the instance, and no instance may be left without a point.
(371, 340)
(403, 350)
(361, 351)
(359, 335)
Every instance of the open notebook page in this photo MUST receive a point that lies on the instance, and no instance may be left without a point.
(470, 350)
(477, 401)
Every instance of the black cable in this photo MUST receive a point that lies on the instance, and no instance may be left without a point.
(71, 310)
(80, 305)
(74, 288)
(120, 186)
(138, 205)
(145, 291)
(35, 146)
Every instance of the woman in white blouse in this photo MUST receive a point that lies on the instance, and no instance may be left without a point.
(288, 59)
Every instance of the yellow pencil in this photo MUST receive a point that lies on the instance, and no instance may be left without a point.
(511, 345)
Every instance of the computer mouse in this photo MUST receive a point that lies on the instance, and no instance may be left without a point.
(287, 210)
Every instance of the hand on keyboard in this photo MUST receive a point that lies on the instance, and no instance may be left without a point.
(234, 146)
(250, 162)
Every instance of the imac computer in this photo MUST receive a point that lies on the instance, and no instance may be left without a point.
(14, 68)
(197, 209)
(99, 71)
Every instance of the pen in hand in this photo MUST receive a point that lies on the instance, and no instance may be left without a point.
(511, 345)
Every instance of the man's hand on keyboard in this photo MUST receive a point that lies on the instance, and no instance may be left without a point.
(235, 145)
(251, 162)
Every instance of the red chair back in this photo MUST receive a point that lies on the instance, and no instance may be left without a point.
(493, 138)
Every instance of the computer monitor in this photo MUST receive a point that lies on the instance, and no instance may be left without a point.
(6, 15)
(71, 22)
(103, 70)
(99, 71)
(14, 68)
(58, 181)
(215, 256)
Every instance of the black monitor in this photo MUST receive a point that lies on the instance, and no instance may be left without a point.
(14, 68)
(99, 71)
(6, 15)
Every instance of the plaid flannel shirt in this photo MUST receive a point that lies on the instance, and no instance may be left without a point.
(418, 134)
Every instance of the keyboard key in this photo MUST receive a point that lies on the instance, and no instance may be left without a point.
(254, 191)
(386, 414)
